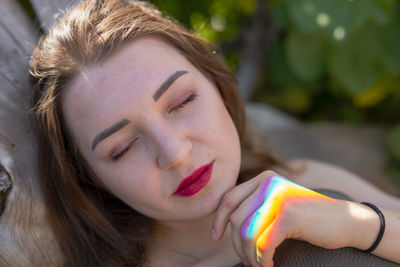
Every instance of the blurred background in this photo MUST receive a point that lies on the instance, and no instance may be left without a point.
(317, 60)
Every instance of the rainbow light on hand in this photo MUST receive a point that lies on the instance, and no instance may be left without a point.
(275, 193)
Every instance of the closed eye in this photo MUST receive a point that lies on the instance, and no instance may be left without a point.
(122, 153)
(191, 98)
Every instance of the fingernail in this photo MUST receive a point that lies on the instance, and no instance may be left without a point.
(214, 234)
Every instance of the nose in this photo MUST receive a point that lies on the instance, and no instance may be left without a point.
(172, 147)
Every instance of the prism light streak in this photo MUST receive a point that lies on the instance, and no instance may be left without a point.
(274, 195)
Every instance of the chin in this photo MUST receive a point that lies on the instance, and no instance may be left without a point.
(210, 200)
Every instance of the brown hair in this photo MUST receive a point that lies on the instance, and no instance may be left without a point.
(95, 228)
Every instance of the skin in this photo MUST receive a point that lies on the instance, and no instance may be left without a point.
(169, 143)
(169, 140)
(355, 225)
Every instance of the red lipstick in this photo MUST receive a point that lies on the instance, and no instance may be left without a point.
(195, 182)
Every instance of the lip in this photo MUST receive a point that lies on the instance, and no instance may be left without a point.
(195, 181)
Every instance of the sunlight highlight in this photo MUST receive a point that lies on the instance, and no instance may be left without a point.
(323, 20)
(339, 33)
(274, 195)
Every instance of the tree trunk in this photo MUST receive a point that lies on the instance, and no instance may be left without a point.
(26, 238)
(49, 11)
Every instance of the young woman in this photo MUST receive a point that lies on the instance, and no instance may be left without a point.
(141, 133)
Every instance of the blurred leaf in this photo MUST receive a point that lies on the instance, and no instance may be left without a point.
(330, 59)
(372, 96)
(202, 27)
(387, 6)
(247, 7)
(393, 142)
(293, 100)
(197, 20)
(316, 15)
(366, 10)
(393, 167)
(355, 63)
(279, 17)
(27, 7)
(221, 7)
(296, 100)
(305, 54)
(280, 72)
(350, 114)
(389, 37)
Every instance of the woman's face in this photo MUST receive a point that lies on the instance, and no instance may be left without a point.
(146, 119)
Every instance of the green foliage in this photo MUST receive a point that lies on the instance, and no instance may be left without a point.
(393, 145)
(394, 170)
(346, 50)
(330, 60)
(393, 142)
(26, 5)
(213, 20)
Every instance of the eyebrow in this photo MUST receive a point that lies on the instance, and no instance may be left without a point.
(167, 83)
(109, 131)
(122, 123)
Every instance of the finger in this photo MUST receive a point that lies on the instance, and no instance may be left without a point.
(244, 231)
(229, 204)
(257, 224)
(268, 241)
(237, 245)
(260, 209)
(265, 216)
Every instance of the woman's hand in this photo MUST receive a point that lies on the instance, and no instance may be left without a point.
(268, 209)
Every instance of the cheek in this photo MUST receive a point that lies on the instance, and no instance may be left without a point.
(223, 126)
(215, 117)
(126, 181)
(223, 133)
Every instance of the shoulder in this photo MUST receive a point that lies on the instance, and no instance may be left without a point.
(317, 174)
(320, 175)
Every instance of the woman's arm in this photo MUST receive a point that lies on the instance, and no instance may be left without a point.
(316, 174)
(267, 209)
(367, 227)
(323, 175)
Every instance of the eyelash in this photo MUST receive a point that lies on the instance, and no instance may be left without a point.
(120, 155)
(191, 98)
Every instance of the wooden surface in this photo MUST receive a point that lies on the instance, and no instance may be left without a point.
(26, 239)
(48, 11)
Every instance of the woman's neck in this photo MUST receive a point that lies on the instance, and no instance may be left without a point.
(189, 244)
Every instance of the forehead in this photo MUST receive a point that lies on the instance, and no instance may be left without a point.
(130, 76)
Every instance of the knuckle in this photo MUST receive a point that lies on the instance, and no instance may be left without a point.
(228, 201)
(247, 237)
(289, 216)
(269, 173)
(290, 210)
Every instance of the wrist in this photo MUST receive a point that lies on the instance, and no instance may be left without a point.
(366, 225)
